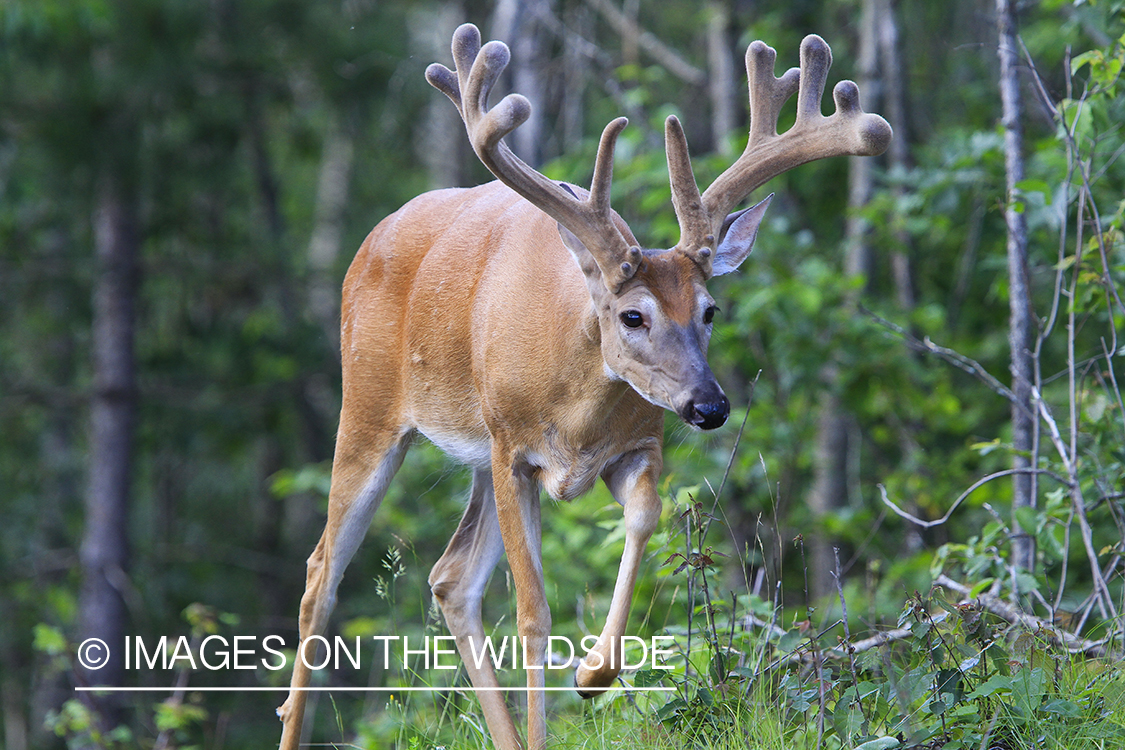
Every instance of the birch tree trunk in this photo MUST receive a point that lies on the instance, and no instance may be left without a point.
(720, 77)
(1021, 317)
(517, 22)
(439, 142)
(894, 107)
(324, 245)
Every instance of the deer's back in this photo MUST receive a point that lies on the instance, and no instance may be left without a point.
(464, 311)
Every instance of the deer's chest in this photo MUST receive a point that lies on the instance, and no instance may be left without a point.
(565, 469)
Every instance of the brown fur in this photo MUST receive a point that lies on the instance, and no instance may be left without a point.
(466, 319)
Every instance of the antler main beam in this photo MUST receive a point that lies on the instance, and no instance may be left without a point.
(849, 131)
(591, 220)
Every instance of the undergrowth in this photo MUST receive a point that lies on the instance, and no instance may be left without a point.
(954, 672)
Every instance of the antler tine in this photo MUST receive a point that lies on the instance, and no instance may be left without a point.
(816, 59)
(602, 180)
(696, 236)
(848, 131)
(591, 220)
(767, 94)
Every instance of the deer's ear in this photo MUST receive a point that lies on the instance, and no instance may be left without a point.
(739, 231)
(581, 254)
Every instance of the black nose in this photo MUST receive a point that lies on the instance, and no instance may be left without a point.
(709, 414)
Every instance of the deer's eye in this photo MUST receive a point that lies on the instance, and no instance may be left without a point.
(709, 314)
(632, 319)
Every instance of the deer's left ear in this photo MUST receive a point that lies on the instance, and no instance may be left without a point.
(739, 231)
(595, 282)
(581, 254)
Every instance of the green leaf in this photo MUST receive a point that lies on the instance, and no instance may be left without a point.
(985, 448)
(1084, 58)
(880, 743)
(48, 639)
(1062, 707)
(718, 667)
(846, 719)
(788, 642)
(976, 590)
(1026, 582)
(997, 684)
(1065, 263)
(670, 709)
(1035, 186)
(1028, 519)
(1028, 688)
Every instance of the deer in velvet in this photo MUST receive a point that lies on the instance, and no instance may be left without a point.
(520, 327)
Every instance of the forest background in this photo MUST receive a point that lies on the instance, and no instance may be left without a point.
(182, 187)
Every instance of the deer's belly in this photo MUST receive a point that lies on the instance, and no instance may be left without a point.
(474, 450)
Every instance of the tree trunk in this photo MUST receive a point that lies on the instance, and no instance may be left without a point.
(830, 484)
(720, 78)
(324, 244)
(104, 553)
(440, 137)
(576, 77)
(1021, 320)
(517, 23)
(898, 162)
(858, 260)
(894, 106)
(829, 491)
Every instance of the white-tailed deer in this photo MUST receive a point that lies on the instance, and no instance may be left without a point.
(519, 326)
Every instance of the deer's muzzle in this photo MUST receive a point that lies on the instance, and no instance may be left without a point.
(707, 409)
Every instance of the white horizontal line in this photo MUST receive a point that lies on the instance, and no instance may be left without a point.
(360, 689)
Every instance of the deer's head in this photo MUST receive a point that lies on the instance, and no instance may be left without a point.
(654, 311)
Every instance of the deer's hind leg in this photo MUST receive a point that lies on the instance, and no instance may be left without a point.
(458, 581)
(363, 468)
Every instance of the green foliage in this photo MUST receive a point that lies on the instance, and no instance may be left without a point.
(79, 724)
(948, 677)
(217, 116)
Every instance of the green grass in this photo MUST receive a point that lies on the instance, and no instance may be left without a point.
(946, 684)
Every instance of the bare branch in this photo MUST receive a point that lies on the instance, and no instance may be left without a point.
(955, 358)
(658, 50)
(997, 606)
(836, 652)
(964, 495)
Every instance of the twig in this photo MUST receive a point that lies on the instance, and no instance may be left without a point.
(955, 358)
(1113, 379)
(733, 453)
(997, 606)
(964, 495)
(647, 41)
(738, 438)
(835, 652)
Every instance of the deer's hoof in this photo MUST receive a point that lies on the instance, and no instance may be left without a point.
(590, 682)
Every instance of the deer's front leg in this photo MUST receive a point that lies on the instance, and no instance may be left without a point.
(633, 481)
(517, 509)
(458, 581)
